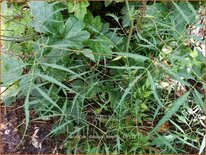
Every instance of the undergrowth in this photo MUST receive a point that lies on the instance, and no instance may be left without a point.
(119, 77)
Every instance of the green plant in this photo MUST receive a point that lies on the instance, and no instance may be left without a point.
(118, 74)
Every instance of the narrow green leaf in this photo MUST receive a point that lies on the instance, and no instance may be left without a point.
(191, 8)
(75, 131)
(125, 67)
(127, 91)
(163, 140)
(26, 109)
(133, 56)
(124, 95)
(59, 127)
(53, 80)
(199, 99)
(181, 12)
(185, 139)
(202, 147)
(59, 67)
(176, 76)
(153, 87)
(47, 97)
(172, 110)
(177, 126)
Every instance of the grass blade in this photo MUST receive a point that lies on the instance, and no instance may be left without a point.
(133, 56)
(153, 87)
(53, 80)
(202, 147)
(125, 94)
(181, 12)
(172, 110)
(59, 67)
(199, 99)
(47, 97)
(125, 67)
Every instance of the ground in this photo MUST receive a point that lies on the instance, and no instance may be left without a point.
(34, 142)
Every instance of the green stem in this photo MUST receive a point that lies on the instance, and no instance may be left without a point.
(128, 46)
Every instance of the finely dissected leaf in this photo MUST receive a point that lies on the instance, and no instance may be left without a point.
(149, 44)
(79, 8)
(172, 110)
(53, 80)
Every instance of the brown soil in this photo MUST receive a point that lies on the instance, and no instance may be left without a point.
(35, 140)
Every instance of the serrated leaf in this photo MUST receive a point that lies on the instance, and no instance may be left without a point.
(79, 8)
(73, 36)
(113, 16)
(41, 10)
(47, 17)
(93, 24)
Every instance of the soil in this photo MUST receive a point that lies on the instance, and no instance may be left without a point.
(34, 141)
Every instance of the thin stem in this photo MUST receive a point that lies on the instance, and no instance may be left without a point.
(128, 44)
